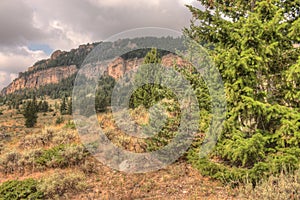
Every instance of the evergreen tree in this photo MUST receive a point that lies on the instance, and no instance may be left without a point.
(56, 106)
(30, 113)
(149, 93)
(43, 106)
(40, 106)
(63, 106)
(251, 43)
(103, 93)
(69, 107)
(152, 57)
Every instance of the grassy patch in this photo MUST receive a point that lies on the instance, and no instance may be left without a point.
(62, 156)
(282, 186)
(51, 187)
(15, 189)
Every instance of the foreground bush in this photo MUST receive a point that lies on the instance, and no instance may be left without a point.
(60, 183)
(48, 137)
(37, 140)
(235, 175)
(15, 189)
(9, 162)
(62, 156)
(284, 186)
(52, 187)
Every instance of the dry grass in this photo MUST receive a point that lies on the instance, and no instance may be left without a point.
(282, 187)
(62, 184)
(178, 181)
(49, 136)
(118, 137)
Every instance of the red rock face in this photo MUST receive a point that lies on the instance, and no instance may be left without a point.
(41, 78)
(119, 66)
(116, 69)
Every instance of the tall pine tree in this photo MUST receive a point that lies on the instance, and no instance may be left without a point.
(252, 45)
(150, 93)
(30, 113)
(63, 107)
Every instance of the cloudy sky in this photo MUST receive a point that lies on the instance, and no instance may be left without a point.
(32, 29)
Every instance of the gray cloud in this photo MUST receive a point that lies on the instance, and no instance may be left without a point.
(98, 19)
(16, 20)
(69, 23)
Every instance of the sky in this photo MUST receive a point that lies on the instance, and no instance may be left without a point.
(32, 29)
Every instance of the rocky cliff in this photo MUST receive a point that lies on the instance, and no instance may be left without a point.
(59, 66)
(40, 78)
(119, 66)
(62, 65)
(116, 69)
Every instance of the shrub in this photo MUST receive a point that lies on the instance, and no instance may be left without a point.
(89, 167)
(283, 186)
(74, 154)
(237, 175)
(26, 189)
(51, 157)
(28, 160)
(52, 187)
(59, 120)
(58, 184)
(48, 137)
(35, 140)
(9, 162)
(1, 147)
(70, 125)
(62, 156)
(64, 138)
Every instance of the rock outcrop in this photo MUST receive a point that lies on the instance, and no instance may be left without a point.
(36, 77)
(40, 78)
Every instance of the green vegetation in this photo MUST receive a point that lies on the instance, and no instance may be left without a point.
(62, 156)
(59, 120)
(251, 44)
(58, 184)
(259, 65)
(103, 93)
(43, 106)
(31, 109)
(66, 106)
(146, 98)
(63, 106)
(169, 131)
(52, 187)
(16, 190)
(141, 53)
(150, 93)
(30, 113)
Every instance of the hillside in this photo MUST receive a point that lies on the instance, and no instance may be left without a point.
(35, 153)
(256, 155)
(62, 65)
